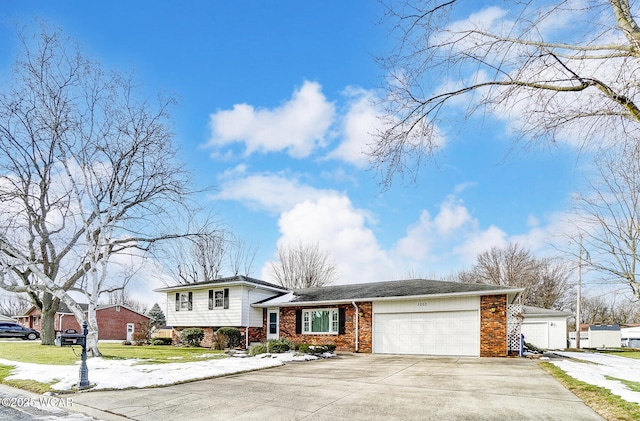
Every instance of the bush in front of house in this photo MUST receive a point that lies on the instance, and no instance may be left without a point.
(227, 337)
(162, 341)
(192, 336)
(140, 338)
(315, 349)
(278, 346)
(257, 349)
(273, 346)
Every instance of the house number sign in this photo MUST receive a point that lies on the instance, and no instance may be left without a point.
(422, 304)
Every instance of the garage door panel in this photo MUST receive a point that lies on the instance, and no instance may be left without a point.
(436, 333)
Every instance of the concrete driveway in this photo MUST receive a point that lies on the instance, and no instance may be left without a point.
(356, 387)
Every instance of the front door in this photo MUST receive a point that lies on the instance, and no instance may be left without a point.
(273, 328)
(130, 332)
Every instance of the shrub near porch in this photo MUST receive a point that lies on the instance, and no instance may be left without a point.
(344, 342)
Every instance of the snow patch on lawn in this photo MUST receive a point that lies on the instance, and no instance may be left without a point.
(122, 374)
(604, 365)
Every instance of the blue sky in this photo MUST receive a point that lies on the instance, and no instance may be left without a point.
(274, 111)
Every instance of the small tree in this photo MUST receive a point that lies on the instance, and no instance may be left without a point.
(157, 316)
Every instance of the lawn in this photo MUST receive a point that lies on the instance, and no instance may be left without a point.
(601, 400)
(34, 352)
(624, 353)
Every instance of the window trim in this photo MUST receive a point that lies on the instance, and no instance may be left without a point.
(219, 303)
(334, 321)
(188, 301)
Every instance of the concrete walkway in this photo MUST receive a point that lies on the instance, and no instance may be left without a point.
(356, 387)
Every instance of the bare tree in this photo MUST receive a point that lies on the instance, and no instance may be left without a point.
(14, 304)
(545, 281)
(303, 266)
(556, 70)
(208, 256)
(608, 218)
(122, 297)
(242, 256)
(87, 172)
(603, 309)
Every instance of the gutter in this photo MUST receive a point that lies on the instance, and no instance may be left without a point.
(389, 298)
(357, 317)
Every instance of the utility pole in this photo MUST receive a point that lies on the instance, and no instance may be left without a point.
(579, 293)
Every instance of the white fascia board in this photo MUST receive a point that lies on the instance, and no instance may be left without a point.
(191, 287)
(273, 303)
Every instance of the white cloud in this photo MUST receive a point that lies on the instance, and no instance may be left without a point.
(442, 243)
(271, 192)
(341, 229)
(298, 126)
(479, 241)
(453, 216)
(358, 127)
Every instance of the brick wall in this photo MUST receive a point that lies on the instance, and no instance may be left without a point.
(493, 326)
(343, 342)
(112, 322)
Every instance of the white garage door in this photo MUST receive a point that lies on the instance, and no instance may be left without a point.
(536, 334)
(438, 333)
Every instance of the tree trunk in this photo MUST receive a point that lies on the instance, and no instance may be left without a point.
(49, 309)
(48, 332)
(92, 336)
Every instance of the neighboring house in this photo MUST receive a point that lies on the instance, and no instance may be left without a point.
(394, 317)
(223, 302)
(545, 328)
(597, 336)
(630, 336)
(115, 322)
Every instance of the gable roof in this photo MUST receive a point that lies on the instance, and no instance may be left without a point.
(374, 291)
(539, 311)
(231, 280)
(64, 309)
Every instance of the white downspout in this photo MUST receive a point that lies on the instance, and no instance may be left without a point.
(60, 322)
(357, 317)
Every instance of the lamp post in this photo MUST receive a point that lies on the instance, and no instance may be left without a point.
(84, 371)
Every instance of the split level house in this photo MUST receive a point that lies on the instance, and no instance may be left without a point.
(115, 322)
(415, 316)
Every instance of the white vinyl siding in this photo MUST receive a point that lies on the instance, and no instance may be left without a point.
(200, 315)
(239, 313)
(253, 315)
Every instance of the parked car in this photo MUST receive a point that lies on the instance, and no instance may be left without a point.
(14, 330)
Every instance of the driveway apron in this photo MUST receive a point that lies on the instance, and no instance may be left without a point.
(356, 387)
